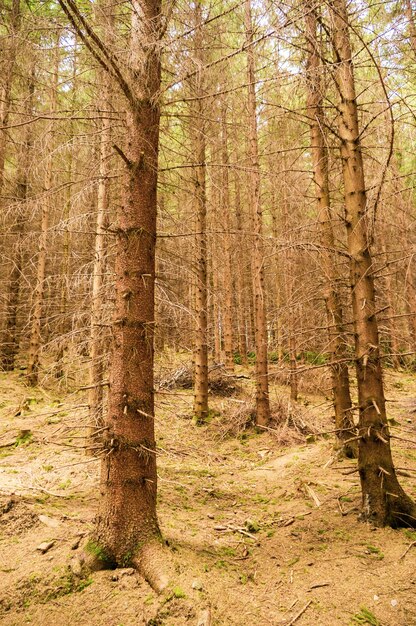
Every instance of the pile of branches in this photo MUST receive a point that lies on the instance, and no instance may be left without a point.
(221, 382)
(290, 422)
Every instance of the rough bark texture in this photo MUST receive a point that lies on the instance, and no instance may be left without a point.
(201, 301)
(384, 501)
(260, 325)
(127, 528)
(337, 338)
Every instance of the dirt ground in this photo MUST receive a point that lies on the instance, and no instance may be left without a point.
(263, 528)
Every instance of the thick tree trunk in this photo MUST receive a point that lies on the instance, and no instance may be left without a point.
(384, 501)
(127, 528)
(339, 366)
(201, 301)
(260, 329)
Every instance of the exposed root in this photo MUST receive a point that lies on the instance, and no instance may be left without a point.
(154, 562)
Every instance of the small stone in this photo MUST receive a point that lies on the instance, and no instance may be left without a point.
(210, 516)
(376, 598)
(114, 577)
(75, 544)
(127, 571)
(393, 602)
(76, 567)
(310, 563)
(49, 521)
(45, 546)
(196, 584)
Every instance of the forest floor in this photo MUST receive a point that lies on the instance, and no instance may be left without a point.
(263, 527)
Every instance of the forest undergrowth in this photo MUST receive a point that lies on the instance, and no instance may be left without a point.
(263, 527)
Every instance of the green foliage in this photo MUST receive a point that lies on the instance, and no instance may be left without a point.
(237, 358)
(375, 552)
(251, 357)
(313, 358)
(178, 592)
(23, 438)
(365, 616)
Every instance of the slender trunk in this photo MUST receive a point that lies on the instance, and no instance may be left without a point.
(36, 317)
(95, 399)
(10, 342)
(260, 330)
(393, 344)
(337, 339)
(8, 63)
(410, 302)
(216, 311)
(384, 501)
(66, 244)
(241, 282)
(201, 340)
(226, 214)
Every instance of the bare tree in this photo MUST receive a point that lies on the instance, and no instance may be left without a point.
(384, 501)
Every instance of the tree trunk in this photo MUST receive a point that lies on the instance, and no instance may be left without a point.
(337, 339)
(243, 307)
(201, 301)
(7, 67)
(127, 529)
(226, 221)
(384, 501)
(36, 317)
(260, 330)
(10, 341)
(95, 399)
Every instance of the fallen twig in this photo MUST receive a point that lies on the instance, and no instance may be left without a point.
(407, 550)
(298, 615)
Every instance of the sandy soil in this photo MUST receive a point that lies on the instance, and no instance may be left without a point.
(263, 528)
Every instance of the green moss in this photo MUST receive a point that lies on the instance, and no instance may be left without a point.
(96, 550)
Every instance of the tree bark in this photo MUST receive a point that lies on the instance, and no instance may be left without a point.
(337, 339)
(383, 499)
(262, 378)
(200, 409)
(227, 247)
(127, 530)
(95, 399)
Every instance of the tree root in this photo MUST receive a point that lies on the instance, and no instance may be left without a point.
(154, 562)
